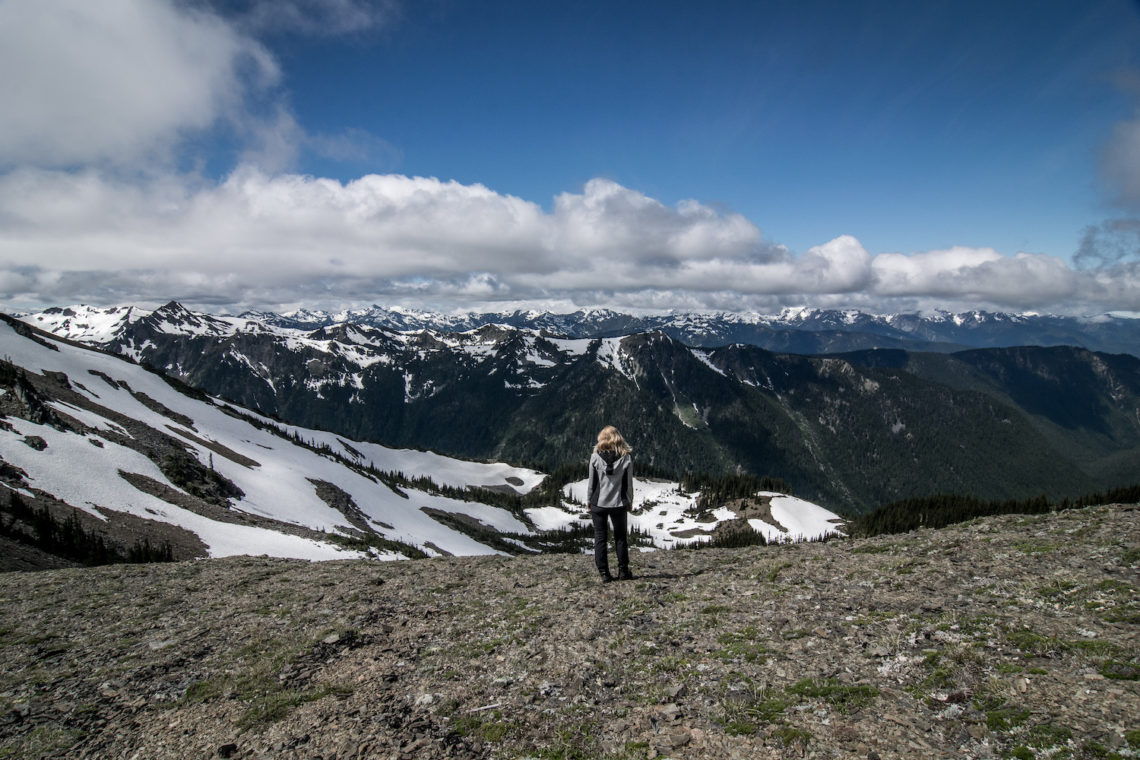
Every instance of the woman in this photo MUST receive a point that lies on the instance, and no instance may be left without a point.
(610, 496)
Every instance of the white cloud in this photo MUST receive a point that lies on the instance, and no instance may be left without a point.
(607, 219)
(116, 81)
(262, 239)
(982, 275)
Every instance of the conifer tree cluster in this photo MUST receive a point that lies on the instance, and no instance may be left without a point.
(68, 538)
(946, 509)
(719, 489)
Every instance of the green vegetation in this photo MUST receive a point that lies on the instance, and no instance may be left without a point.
(947, 509)
(1120, 671)
(1050, 738)
(792, 737)
(873, 549)
(1033, 643)
(846, 698)
(68, 538)
(743, 714)
(720, 489)
(487, 726)
(1036, 547)
(715, 609)
(742, 646)
(732, 539)
(254, 680)
(269, 705)
(1005, 718)
(746, 713)
(576, 743)
(43, 741)
(774, 573)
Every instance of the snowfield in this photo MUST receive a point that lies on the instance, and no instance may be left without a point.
(659, 510)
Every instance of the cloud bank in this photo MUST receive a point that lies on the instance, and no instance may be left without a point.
(257, 239)
(97, 205)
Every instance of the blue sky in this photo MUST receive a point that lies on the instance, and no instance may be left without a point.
(450, 154)
(910, 125)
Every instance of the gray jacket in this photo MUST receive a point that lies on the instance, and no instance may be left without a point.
(611, 481)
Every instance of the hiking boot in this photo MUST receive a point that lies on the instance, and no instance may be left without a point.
(624, 574)
(606, 577)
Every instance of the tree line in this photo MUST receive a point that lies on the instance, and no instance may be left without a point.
(946, 509)
(717, 490)
(67, 538)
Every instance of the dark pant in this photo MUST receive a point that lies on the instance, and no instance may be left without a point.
(621, 541)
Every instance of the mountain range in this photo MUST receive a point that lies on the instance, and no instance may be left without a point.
(793, 330)
(94, 446)
(849, 430)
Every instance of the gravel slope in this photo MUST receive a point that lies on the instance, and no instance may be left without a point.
(1005, 637)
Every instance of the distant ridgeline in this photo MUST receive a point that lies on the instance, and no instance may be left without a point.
(946, 509)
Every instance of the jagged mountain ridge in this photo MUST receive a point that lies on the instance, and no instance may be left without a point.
(799, 330)
(850, 431)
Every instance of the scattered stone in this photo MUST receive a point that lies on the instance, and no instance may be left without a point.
(765, 652)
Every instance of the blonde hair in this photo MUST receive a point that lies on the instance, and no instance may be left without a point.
(610, 440)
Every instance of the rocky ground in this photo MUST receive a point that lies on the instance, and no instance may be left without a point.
(1005, 637)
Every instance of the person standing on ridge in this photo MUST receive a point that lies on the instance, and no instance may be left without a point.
(610, 497)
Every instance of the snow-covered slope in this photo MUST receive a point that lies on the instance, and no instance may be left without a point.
(82, 465)
(670, 516)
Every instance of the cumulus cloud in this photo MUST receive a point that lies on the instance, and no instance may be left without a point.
(117, 81)
(260, 239)
(607, 219)
(983, 275)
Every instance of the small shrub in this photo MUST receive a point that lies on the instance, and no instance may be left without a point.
(715, 609)
(792, 737)
(1120, 671)
(1004, 719)
(484, 727)
(1046, 735)
(1034, 643)
(742, 717)
(846, 698)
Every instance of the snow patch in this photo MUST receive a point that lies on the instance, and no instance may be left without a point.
(703, 356)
